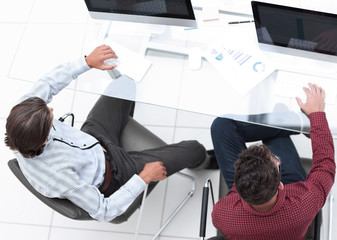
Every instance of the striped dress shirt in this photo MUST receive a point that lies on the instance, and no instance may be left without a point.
(72, 164)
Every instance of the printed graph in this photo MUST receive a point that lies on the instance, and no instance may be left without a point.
(239, 57)
(243, 67)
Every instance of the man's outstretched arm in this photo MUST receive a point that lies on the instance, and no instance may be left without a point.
(61, 76)
(322, 174)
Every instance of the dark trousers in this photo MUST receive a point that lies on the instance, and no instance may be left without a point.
(229, 140)
(106, 122)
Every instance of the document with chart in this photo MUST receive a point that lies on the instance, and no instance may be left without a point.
(242, 66)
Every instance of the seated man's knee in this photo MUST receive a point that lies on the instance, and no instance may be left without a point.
(197, 147)
(220, 124)
(199, 155)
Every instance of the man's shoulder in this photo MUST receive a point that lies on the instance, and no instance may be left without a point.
(230, 202)
(296, 188)
(299, 195)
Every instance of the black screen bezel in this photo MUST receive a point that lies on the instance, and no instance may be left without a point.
(188, 4)
(257, 21)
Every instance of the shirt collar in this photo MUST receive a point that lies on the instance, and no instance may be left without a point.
(278, 205)
(52, 133)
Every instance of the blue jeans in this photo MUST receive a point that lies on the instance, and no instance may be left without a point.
(229, 140)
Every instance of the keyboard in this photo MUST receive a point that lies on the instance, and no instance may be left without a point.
(290, 84)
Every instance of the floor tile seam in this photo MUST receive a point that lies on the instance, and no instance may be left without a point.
(22, 35)
(86, 91)
(17, 49)
(19, 79)
(51, 224)
(54, 23)
(35, 80)
(76, 81)
(27, 19)
(71, 228)
(175, 237)
(98, 230)
(24, 224)
(162, 220)
(62, 227)
(13, 22)
(176, 126)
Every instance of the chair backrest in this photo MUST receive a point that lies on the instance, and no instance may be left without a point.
(135, 137)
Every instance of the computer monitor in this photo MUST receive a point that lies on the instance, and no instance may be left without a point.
(164, 12)
(295, 31)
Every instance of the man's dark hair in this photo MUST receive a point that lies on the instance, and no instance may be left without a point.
(256, 175)
(28, 126)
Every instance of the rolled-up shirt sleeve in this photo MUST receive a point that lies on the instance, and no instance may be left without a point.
(53, 82)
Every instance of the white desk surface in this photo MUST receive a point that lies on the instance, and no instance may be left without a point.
(171, 83)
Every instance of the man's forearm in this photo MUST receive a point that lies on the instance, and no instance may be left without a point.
(323, 166)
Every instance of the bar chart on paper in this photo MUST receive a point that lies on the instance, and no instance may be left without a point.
(242, 68)
(239, 56)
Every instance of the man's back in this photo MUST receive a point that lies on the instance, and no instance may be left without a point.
(286, 220)
(297, 204)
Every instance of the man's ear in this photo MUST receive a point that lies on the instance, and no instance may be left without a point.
(281, 186)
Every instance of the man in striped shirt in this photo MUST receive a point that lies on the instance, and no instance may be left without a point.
(63, 162)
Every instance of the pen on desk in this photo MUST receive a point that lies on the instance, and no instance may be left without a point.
(238, 22)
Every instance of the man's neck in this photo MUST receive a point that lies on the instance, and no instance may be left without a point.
(266, 206)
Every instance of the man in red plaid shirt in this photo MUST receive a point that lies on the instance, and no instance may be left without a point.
(266, 202)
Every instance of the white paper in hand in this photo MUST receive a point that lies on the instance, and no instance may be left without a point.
(129, 63)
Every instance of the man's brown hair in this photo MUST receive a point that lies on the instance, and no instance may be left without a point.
(256, 175)
(28, 126)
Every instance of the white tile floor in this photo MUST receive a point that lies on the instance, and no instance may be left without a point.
(36, 35)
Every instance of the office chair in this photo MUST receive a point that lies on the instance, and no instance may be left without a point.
(135, 137)
(313, 233)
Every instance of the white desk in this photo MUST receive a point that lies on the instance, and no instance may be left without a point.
(171, 83)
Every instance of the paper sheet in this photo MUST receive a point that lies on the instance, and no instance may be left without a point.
(129, 63)
(243, 67)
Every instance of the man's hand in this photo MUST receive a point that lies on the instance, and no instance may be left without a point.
(315, 99)
(97, 57)
(153, 171)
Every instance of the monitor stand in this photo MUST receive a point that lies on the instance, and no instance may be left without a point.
(164, 43)
(155, 37)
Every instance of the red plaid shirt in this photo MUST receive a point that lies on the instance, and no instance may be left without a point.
(297, 204)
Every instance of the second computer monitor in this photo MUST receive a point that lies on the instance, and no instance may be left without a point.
(295, 31)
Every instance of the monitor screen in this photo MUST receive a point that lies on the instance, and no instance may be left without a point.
(165, 12)
(295, 28)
